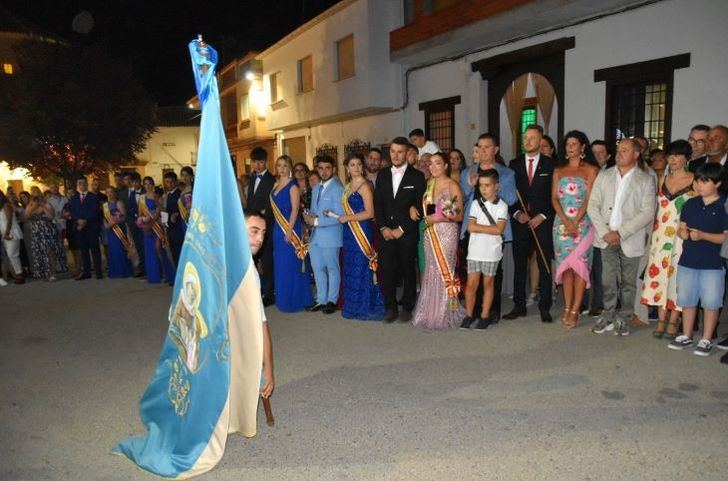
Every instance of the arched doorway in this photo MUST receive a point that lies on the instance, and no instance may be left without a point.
(530, 99)
(500, 71)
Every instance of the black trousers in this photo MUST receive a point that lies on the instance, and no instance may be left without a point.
(176, 238)
(523, 246)
(396, 259)
(266, 258)
(88, 242)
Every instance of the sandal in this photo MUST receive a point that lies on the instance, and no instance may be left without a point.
(563, 318)
(659, 331)
(671, 332)
(575, 322)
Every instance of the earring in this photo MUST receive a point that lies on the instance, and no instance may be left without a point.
(583, 155)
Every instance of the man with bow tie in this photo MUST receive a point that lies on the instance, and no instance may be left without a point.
(397, 208)
(85, 208)
(259, 189)
(534, 174)
(132, 212)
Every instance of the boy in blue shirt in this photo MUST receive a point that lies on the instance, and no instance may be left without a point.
(700, 273)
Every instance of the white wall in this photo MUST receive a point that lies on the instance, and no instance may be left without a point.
(663, 29)
(170, 148)
(376, 82)
(377, 130)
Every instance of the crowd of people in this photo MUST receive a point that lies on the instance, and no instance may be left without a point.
(139, 226)
(626, 236)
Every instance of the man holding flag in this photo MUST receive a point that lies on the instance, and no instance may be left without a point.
(207, 380)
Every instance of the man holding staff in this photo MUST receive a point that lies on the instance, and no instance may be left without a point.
(533, 219)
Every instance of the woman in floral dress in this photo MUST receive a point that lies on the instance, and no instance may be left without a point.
(659, 286)
(573, 232)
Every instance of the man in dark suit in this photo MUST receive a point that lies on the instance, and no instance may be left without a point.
(85, 208)
(259, 189)
(122, 187)
(175, 225)
(132, 212)
(717, 152)
(398, 190)
(534, 174)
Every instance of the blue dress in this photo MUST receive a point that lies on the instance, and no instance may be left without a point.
(155, 266)
(292, 284)
(362, 297)
(119, 264)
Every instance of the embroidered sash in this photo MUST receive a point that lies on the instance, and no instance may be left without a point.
(183, 212)
(299, 247)
(361, 238)
(116, 228)
(452, 286)
(156, 226)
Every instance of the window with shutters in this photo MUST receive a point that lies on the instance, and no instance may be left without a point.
(345, 65)
(305, 75)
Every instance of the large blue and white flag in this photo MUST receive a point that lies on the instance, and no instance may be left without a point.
(207, 380)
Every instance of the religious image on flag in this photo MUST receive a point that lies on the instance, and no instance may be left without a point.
(207, 380)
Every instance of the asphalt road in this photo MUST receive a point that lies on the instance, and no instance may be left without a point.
(363, 400)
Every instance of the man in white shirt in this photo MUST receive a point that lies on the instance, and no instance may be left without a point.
(621, 206)
(417, 137)
(58, 202)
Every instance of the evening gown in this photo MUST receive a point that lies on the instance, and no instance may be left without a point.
(362, 297)
(156, 267)
(573, 252)
(292, 284)
(119, 264)
(435, 309)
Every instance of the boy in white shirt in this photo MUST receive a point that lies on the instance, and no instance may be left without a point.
(487, 220)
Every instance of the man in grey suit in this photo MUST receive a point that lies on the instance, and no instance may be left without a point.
(621, 206)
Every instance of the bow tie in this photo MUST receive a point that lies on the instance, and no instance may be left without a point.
(399, 170)
(258, 176)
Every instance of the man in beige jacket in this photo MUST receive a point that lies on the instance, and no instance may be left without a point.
(622, 207)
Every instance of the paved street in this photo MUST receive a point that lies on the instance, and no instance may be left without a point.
(359, 400)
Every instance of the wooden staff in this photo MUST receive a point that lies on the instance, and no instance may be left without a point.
(533, 232)
(268, 412)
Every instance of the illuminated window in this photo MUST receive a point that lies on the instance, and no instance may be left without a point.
(528, 117)
(8, 68)
(244, 107)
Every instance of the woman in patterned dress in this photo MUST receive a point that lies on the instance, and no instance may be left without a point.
(659, 286)
(48, 254)
(573, 232)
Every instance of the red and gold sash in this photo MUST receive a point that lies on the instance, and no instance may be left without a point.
(361, 238)
(299, 247)
(116, 229)
(452, 286)
(156, 226)
(183, 212)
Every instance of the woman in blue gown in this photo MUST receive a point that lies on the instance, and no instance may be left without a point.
(115, 222)
(362, 296)
(292, 281)
(156, 258)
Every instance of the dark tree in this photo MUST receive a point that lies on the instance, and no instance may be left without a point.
(71, 111)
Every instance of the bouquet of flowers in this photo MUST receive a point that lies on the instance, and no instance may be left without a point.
(448, 207)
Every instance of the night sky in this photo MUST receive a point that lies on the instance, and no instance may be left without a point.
(154, 34)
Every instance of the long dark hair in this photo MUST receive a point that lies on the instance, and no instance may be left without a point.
(584, 141)
(461, 156)
(445, 159)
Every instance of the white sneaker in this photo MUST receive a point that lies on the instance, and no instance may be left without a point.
(531, 299)
(2, 282)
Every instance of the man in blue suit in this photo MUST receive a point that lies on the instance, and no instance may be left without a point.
(326, 239)
(132, 212)
(85, 209)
